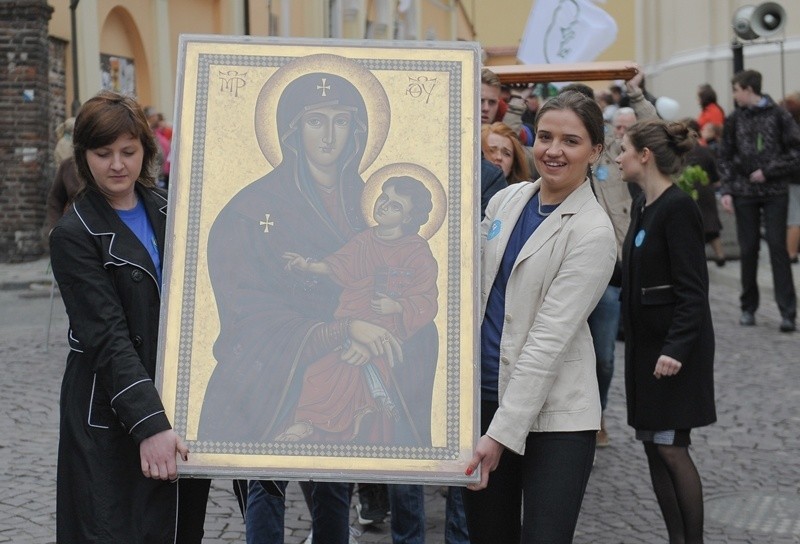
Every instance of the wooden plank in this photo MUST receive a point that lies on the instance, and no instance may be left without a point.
(546, 73)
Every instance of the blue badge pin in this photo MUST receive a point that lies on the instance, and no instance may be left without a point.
(601, 172)
(495, 229)
(639, 240)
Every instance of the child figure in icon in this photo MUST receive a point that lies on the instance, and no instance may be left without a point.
(388, 278)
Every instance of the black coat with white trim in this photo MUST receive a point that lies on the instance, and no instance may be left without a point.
(109, 402)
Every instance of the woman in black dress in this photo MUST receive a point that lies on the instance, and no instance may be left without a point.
(669, 340)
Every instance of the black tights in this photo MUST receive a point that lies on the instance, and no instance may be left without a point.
(678, 490)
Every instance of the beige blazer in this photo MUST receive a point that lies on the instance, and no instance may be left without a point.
(547, 379)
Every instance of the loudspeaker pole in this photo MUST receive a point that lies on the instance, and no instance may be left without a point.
(737, 48)
(783, 73)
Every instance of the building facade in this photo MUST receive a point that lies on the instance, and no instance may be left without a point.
(132, 47)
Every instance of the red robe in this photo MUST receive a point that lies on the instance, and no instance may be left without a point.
(335, 396)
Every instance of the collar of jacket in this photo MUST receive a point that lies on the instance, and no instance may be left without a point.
(574, 201)
(552, 224)
(120, 245)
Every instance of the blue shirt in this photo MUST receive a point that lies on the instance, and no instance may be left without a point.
(492, 326)
(136, 219)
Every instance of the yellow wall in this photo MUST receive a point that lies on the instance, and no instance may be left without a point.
(500, 24)
(623, 12)
(497, 30)
(132, 29)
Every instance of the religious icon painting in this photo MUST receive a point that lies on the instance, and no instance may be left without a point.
(319, 317)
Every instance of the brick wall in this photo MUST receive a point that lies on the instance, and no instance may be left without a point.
(25, 117)
(57, 79)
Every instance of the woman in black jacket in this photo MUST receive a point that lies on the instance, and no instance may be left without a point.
(117, 450)
(669, 337)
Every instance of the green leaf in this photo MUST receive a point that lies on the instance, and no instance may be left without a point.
(690, 177)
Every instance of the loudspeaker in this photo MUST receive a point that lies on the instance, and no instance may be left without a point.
(752, 22)
(767, 19)
(741, 23)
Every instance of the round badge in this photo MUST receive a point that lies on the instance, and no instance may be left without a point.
(494, 230)
(639, 240)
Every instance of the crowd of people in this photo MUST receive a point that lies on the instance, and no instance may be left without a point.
(584, 224)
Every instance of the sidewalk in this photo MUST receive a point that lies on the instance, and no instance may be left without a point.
(748, 460)
(730, 273)
(14, 276)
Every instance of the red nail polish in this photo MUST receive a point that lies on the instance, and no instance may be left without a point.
(469, 471)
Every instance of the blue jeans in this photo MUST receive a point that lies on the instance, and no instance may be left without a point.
(604, 324)
(407, 503)
(749, 212)
(455, 526)
(266, 506)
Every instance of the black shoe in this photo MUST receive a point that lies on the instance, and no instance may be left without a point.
(720, 261)
(794, 260)
(747, 319)
(787, 325)
(373, 503)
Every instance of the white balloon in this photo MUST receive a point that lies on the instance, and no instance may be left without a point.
(667, 108)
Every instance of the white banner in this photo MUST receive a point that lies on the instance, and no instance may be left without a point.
(561, 31)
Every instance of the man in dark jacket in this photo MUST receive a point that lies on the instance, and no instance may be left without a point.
(492, 180)
(759, 154)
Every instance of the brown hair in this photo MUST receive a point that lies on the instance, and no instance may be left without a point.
(490, 78)
(668, 141)
(421, 200)
(581, 105)
(748, 78)
(519, 164)
(104, 118)
(706, 94)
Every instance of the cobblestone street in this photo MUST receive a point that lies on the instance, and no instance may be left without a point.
(749, 461)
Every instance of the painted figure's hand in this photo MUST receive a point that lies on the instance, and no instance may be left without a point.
(356, 354)
(157, 454)
(666, 366)
(487, 456)
(295, 262)
(377, 339)
(384, 305)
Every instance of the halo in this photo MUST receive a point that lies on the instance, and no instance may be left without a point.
(375, 182)
(373, 93)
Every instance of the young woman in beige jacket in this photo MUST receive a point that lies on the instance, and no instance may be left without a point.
(548, 251)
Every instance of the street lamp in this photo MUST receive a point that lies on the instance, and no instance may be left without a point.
(76, 103)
